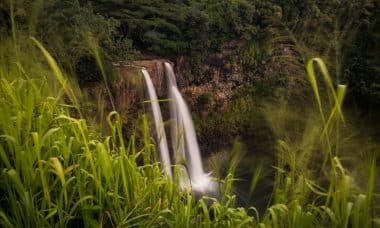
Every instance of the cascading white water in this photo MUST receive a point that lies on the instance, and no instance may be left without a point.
(177, 133)
(178, 143)
(159, 124)
(183, 132)
(183, 137)
(200, 181)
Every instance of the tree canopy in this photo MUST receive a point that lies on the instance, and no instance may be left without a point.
(343, 32)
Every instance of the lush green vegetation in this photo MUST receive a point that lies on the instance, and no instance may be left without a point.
(344, 33)
(58, 169)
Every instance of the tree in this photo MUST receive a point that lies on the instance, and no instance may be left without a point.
(363, 58)
(69, 28)
(4, 19)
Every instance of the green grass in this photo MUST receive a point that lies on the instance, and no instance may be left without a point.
(312, 188)
(58, 171)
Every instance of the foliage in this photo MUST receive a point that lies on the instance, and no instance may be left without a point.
(362, 59)
(68, 29)
(277, 34)
(312, 180)
(220, 126)
(182, 27)
(338, 31)
(56, 171)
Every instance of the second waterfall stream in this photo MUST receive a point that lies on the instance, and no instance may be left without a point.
(185, 148)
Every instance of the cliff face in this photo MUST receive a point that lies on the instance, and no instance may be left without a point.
(127, 88)
(216, 84)
(219, 78)
(155, 68)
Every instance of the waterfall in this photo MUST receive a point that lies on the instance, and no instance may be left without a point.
(200, 181)
(184, 138)
(177, 129)
(178, 143)
(159, 124)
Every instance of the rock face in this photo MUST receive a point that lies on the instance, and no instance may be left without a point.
(127, 87)
(155, 68)
(130, 86)
(214, 87)
(218, 78)
(211, 87)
